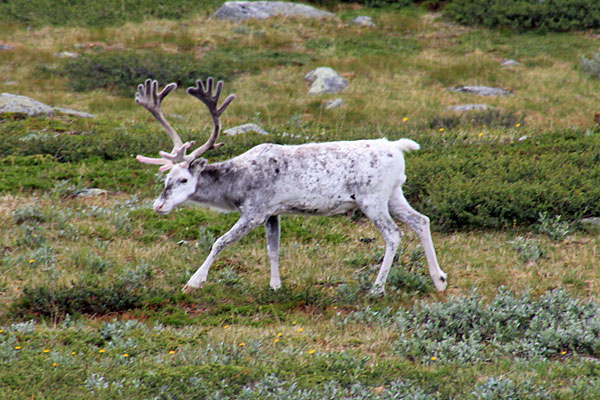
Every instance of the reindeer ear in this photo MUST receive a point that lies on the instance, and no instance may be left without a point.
(197, 166)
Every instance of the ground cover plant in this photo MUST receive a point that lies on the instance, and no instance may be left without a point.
(527, 15)
(90, 301)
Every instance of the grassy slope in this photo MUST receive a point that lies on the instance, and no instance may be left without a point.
(52, 241)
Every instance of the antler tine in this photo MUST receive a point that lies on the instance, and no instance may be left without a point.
(147, 96)
(204, 94)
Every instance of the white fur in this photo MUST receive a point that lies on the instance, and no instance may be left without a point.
(312, 179)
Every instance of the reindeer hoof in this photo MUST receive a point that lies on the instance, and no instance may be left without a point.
(189, 288)
(377, 291)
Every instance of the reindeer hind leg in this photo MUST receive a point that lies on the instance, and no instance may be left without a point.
(400, 208)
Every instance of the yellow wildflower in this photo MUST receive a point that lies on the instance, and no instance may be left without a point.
(226, 326)
(433, 358)
(441, 129)
(517, 125)
(276, 340)
(300, 329)
(311, 351)
(242, 344)
(404, 119)
(125, 355)
(279, 334)
(172, 352)
(480, 134)
(73, 353)
(102, 351)
(46, 351)
(31, 261)
(18, 347)
(55, 364)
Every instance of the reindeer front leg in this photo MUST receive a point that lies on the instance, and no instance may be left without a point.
(273, 229)
(241, 228)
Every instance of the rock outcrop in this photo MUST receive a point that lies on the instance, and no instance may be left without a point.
(14, 103)
(238, 11)
(326, 80)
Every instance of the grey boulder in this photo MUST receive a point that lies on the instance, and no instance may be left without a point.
(246, 128)
(325, 80)
(238, 11)
(14, 103)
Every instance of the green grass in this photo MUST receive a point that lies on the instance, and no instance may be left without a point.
(92, 13)
(101, 276)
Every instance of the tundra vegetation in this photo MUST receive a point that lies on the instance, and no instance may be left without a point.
(90, 300)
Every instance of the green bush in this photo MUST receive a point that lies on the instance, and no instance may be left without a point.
(429, 4)
(122, 71)
(498, 185)
(527, 15)
(77, 299)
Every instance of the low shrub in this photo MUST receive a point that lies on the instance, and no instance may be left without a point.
(591, 66)
(467, 330)
(529, 250)
(80, 298)
(527, 15)
(29, 214)
(553, 227)
(492, 118)
(504, 388)
(498, 185)
(123, 71)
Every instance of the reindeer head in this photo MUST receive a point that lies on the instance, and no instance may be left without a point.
(185, 168)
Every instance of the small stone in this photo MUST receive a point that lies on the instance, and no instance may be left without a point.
(508, 63)
(92, 192)
(334, 103)
(523, 138)
(595, 221)
(76, 113)
(470, 107)
(481, 90)
(325, 80)
(246, 128)
(363, 20)
(67, 54)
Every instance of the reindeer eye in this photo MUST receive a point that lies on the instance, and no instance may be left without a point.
(184, 180)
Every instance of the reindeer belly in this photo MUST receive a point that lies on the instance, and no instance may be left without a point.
(333, 208)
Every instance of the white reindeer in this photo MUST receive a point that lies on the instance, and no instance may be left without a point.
(270, 180)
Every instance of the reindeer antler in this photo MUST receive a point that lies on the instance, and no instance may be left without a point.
(148, 96)
(204, 94)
